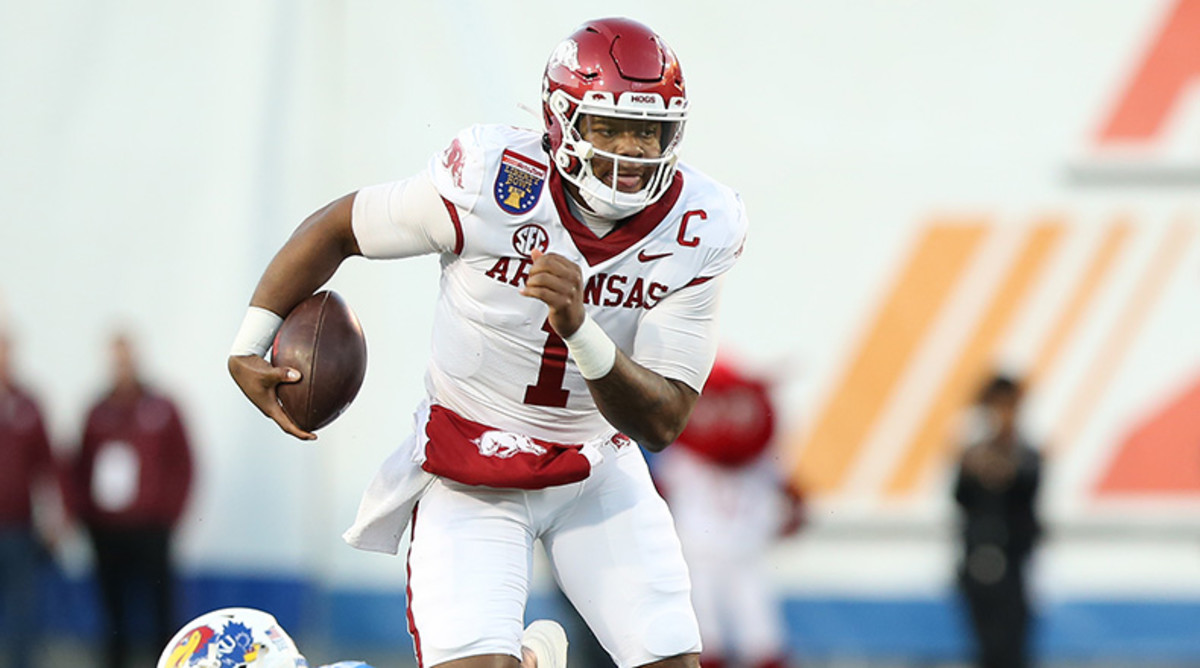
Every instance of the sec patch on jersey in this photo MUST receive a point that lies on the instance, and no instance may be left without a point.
(323, 340)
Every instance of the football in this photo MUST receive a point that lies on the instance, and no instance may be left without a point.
(323, 340)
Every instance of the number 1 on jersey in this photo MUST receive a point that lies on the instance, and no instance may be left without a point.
(549, 390)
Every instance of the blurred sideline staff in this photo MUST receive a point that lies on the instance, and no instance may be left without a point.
(28, 468)
(130, 483)
(724, 484)
(996, 491)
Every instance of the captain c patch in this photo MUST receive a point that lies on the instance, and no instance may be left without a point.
(518, 183)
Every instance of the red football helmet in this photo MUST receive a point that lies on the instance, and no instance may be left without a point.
(616, 68)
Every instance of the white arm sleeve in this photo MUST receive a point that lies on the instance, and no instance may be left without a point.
(678, 337)
(402, 219)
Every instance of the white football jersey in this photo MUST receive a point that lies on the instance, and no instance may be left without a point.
(495, 358)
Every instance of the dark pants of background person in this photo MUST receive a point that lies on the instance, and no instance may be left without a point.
(19, 589)
(1000, 619)
(132, 563)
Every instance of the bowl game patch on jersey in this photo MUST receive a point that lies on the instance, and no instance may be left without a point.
(518, 183)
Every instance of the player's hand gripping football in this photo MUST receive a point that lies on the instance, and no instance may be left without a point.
(558, 282)
(257, 380)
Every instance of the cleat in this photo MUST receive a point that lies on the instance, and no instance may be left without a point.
(548, 642)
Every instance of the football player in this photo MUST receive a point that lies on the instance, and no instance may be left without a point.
(581, 266)
(725, 485)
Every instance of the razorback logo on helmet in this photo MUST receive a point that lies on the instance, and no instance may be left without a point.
(566, 54)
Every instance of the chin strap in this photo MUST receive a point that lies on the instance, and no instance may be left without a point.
(608, 209)
(603, 201)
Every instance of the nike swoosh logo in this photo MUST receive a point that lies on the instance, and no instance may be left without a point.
(643, 256)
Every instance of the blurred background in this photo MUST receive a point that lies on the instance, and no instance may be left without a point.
(937, 190)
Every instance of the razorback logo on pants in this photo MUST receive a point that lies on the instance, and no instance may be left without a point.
(476, 454)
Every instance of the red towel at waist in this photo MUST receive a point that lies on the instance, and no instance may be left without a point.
(476, 454)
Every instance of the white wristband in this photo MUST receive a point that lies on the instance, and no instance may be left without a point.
(594, 353)
(256, 333)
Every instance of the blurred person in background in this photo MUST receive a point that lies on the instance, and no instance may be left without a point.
(28, 467)
(725, 486)
(996, 491)
(130, 483)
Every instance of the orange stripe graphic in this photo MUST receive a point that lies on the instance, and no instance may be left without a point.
(1135, 311)
(903, 321)
(930, 440)
(1171, 67)
(1102, 261)
(1160, 456)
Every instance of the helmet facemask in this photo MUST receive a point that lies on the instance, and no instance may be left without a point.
(574, 157)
